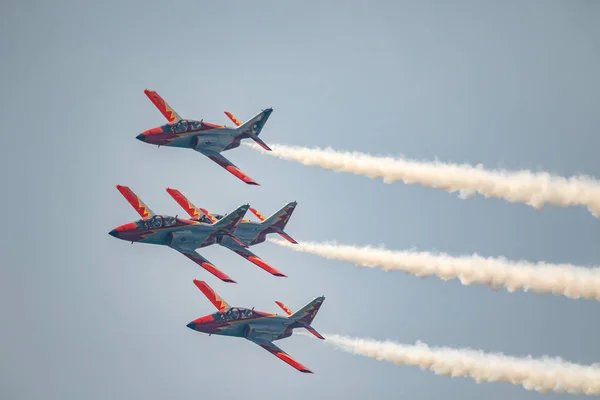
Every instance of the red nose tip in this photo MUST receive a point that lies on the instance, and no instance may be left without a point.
(202, 320)
(126, 227)
(153, 131)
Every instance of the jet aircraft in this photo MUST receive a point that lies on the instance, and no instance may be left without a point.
(259, 327)
(251, 233)
(182, 235)
(204, 137)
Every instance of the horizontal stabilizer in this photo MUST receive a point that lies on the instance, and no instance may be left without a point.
(259, 142)
(314, 332)
(287, 237)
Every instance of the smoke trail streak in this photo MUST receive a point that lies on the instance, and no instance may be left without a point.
(559, 279)
(527, 187)
(543, 375)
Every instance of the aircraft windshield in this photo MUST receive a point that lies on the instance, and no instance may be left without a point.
(169, 221)
(195, 125)
(180, 126)
(236, 313)
(156, 222)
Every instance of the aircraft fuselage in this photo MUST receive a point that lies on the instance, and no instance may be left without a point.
(166, 230)
(192, 134)
(241, 322)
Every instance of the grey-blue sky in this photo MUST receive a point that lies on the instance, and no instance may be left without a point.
(510, 84)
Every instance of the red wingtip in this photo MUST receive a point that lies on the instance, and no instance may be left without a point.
(229, 280)
(260, 263)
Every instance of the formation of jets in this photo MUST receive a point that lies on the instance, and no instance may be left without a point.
(230, 230)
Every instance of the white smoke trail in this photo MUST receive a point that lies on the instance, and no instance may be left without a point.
(543, 375)
(560, 279)
(527, 187)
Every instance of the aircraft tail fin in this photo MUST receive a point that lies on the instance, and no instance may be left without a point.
(229, 223)
(306, 314)
(279, 220)
(253, 127)
(307, 327)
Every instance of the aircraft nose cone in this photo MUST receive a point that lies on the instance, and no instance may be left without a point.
(141, 137)
(192, 325)
(114, 233)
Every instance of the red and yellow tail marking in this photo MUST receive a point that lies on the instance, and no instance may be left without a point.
(233, 118)
(284, 307)
(258, 215)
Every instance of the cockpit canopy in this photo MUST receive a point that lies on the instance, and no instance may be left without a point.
(233, 314)
(181, 126)
(156, 222)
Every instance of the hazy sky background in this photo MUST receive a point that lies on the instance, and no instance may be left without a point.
(508, 84)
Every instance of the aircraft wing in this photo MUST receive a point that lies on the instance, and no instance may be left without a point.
(162, 106)
(248, 255)
(233, 118)
(228, 165)
(204, 263)
(136, 202)
(284, 308)
(194, 212)
(212, 296)
(277, 352)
